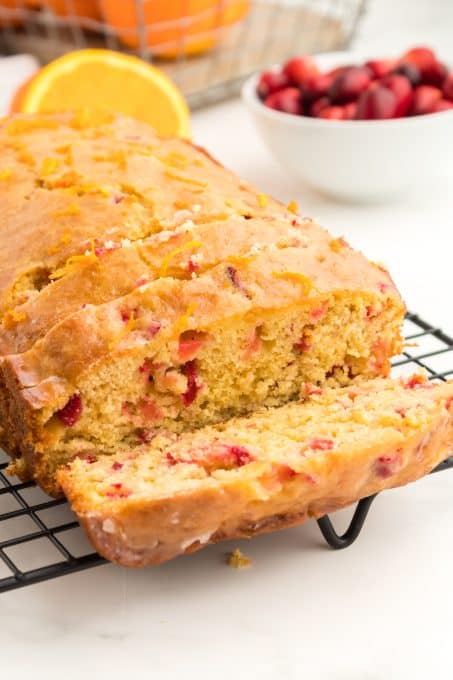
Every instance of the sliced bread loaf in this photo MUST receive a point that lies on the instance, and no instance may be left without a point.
(276, 468)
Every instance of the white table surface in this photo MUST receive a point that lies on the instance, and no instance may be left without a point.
(380, 610)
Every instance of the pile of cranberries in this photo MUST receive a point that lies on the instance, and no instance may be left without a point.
(412, 85)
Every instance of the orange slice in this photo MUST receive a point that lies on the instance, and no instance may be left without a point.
(104, 80)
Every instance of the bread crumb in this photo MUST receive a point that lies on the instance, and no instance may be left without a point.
(238, 560)
(262, 200)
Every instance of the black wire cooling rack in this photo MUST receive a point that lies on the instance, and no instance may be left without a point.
(40, 538)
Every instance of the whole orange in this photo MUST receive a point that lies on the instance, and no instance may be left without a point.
(9, 4)
(81, 8)
(173, 27)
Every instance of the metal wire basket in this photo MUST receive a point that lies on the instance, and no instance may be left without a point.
(208, 47)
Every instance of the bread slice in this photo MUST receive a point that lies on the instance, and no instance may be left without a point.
(179, 354)
(276, 468)
(112, 269)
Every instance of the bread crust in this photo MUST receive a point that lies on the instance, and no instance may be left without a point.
(144, 532)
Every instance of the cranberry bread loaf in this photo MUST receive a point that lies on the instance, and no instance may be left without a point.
(276, 468)
(134, 301)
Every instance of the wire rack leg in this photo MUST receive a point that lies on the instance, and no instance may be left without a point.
(339, 542)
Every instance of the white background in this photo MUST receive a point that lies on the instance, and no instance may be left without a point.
(382, 609)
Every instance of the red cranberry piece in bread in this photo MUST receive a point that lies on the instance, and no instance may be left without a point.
(71, 411)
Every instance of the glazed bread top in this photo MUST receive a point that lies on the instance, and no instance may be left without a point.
(68, 183)
(107, 227)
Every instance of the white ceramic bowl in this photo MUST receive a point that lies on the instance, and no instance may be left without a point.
(355, 160)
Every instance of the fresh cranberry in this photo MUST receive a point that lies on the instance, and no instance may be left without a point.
(299, 69)
(270, 82)
(409, 71)
(350, 110)
(316, 86)
(434, 74)
(348, 85)
(447, 88)
(71, 412)
(333, 73)
(332, 113)
(376, 104)
(288, 100)
(190, 370)
(425, 99)
(443, 105)
(422, 57)
(401, 88)
(380, 67)
(318, 106)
